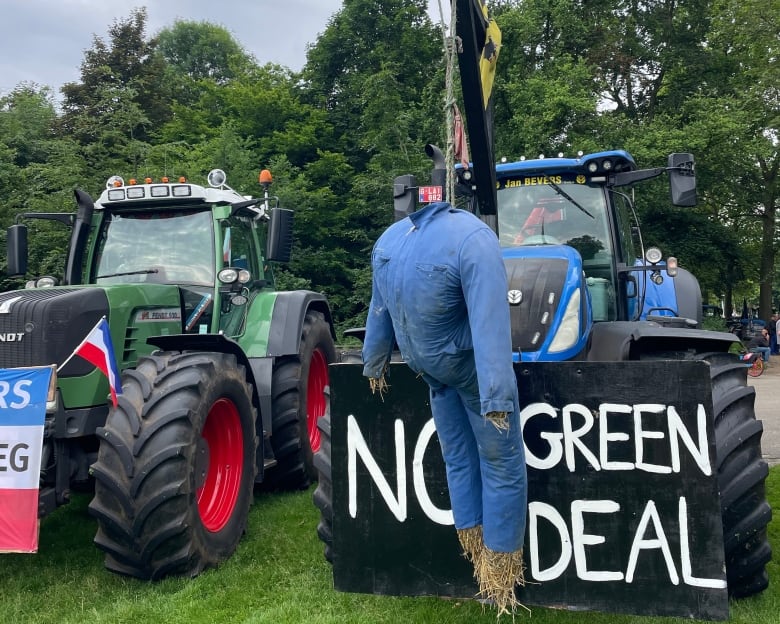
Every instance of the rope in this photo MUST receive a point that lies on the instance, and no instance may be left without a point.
(450, 57)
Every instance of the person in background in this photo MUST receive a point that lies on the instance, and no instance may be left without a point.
(772, 327)
(777, 333)
(760, 344)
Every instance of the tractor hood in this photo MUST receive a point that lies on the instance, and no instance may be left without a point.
(40, 327)
(549, 303)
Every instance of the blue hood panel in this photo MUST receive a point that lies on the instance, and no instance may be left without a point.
(541, 282)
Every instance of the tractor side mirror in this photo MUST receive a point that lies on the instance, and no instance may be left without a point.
(682, 179)
(16, 247)
(280, 235)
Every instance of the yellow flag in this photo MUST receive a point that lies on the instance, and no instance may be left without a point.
(487, 62)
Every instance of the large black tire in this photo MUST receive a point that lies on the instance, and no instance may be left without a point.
(176, 466)
(297, 389)
(323, 495)
(741, 477)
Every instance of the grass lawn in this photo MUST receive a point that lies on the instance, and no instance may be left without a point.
(278, 575)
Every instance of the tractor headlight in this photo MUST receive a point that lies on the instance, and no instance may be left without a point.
(228, 276)
(569, 331)
(216, 178)
(45, 282)
(653, 255)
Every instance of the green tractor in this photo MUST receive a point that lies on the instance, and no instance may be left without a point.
(222, 376)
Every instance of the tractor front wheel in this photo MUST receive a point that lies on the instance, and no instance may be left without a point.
(176, 466)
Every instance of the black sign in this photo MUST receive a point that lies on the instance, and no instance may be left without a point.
(624, 509)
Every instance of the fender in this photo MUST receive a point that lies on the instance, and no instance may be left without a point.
(289, 312)
(619, 341)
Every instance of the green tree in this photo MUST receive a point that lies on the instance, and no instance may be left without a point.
(377, 72)
(201, 58)
(38, 173)
(128, 66)
(203, 51)
(744, 43)
(365, 39)
(545, 92)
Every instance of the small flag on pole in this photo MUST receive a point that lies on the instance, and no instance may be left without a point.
(98, 350)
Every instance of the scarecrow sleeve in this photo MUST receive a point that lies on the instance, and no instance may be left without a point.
(484, 285)
(380, 337)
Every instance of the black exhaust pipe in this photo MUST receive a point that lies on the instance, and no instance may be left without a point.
(439, 173)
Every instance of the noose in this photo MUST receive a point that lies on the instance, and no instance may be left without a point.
(450, 45)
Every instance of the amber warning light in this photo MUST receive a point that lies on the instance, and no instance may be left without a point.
(428, 194)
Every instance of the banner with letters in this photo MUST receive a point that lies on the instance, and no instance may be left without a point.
(624, 507)
(23, 394)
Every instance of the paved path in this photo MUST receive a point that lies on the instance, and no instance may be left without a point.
(768, 409)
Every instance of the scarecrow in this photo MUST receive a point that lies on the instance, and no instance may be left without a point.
(439, 293)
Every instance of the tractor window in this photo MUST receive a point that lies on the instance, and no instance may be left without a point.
(635, 284)
(238, 246)
(629, 247)
(160, 247)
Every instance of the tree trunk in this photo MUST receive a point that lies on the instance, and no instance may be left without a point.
(768, 228)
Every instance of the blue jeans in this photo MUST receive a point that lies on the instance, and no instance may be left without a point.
(764, 351)
(486, 471)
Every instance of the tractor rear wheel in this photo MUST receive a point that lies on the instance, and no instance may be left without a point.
(741, 476)
(323, 495)
(298, 394)
(176, 465)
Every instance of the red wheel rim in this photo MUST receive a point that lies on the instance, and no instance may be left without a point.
(315, 396)
(225, 442)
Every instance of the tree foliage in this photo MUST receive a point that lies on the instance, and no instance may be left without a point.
(203, 51)
(124, 79)
(39, 171)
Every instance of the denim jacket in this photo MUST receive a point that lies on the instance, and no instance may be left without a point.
(439, 291)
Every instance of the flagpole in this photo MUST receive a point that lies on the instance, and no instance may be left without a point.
(81, 344)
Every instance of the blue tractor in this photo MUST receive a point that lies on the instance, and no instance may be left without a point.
(581, 283)
(582, 286)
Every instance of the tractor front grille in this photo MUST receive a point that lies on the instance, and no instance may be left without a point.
(540, 282)
(43, 326)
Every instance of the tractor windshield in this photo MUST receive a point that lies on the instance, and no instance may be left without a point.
(554, 214)
(553, 211)
(160, 247)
